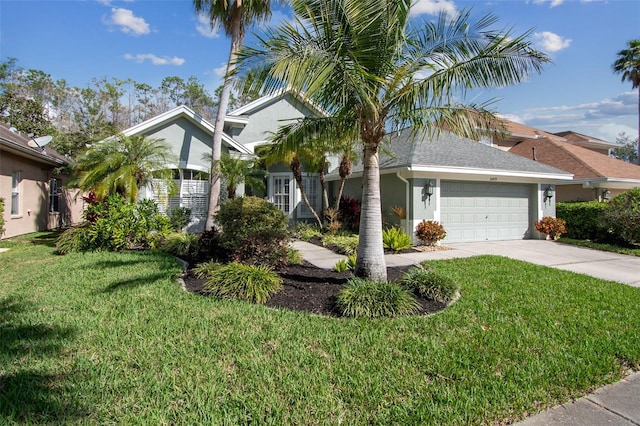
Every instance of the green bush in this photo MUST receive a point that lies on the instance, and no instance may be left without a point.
(305, 231)
(210, 246)
(396, 239)
(294, 257)
(1, 216)
(348, 264)
(583, 219)
(180, 244)
(343, 244)
(179, 217)
(245, 282)
(622, 215)
(203, 270)
(265, 248)
(371, 299)
(245, 217)
(431, 285)
(115, 224)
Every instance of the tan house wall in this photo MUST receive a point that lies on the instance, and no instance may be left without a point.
(576, 192)
(33, 206)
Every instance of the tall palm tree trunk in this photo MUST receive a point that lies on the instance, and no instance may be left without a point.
(296, 168)
(370, 262)
(237, 39)
(638, 126)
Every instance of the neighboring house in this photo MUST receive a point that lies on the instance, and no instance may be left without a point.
(190, 136)
(33, 186)
(477, 192)
(596, 175)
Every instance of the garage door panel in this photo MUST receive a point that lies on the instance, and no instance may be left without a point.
(480, 211)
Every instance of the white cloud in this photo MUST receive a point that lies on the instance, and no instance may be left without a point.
(434, 7)
(550, 42)
(204, 27)
(128, 22)
(221, 70)
(155, 60)
(552, 3)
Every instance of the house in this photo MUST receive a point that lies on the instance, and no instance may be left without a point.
(596, 175)
(32, 186)
(477, 192)
(190, 137)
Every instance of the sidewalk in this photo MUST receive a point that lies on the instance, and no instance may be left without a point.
(617, 404)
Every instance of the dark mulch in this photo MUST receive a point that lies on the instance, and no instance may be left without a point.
(311, 289)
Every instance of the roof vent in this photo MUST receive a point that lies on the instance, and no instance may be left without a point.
(533, 153)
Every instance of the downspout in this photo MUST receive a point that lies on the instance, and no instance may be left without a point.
(406, 198)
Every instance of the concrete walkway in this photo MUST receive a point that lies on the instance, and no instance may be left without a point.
(617, 404)
(600, 264)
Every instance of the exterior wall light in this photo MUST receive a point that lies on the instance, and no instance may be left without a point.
(606, 195)
(428, 189)
(549, 193)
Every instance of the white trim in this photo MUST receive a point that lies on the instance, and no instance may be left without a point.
(292, 191)
(187, 112)
(318, 197)
(278, 94)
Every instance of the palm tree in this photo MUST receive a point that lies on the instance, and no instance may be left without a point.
(236, 171)
(373, 69)
(123, 165)
(234, 16)
(628, 64)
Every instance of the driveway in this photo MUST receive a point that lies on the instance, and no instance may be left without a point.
(599, 264)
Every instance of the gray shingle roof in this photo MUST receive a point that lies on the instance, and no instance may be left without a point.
(449, 150)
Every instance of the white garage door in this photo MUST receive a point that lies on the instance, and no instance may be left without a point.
(479, 211)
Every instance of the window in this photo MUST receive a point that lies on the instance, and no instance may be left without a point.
(281, 192)
(55, 188)
(311, 186)
(16, 178)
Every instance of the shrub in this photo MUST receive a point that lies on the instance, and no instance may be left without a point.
(371, 299)
(179, 217)
(348, 264)
(180, 244)
(294, 257)
(266, 248)
(247, 216)
(210, 246)
(343, 244)
(115, 224)
(245, 282)
(333, 217)
(1, 216)
(305, 231)
(622, 215)
(430, 232)
(203, 270)
(551, 226)
(431, 285)
(583, 219)
(395, 239)
(350, 213)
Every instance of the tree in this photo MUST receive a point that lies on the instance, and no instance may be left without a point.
(628, 64)
(234, 16)
(123, 165)
(236, 171)
(627, 149)
(372, 69)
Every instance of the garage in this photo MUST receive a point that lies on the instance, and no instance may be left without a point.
(483, 211)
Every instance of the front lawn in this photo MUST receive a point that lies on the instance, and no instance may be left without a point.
(111, 338)
(632, 251)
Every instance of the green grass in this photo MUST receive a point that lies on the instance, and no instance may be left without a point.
(600, 246)
(110, 338)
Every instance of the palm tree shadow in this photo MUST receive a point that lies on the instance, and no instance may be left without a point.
(26, 394)
(133, 283)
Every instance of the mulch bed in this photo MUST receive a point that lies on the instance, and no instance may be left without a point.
(314, 290)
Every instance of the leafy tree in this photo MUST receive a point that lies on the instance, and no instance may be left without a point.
(628, 64)
(122, 165)
(236, 171)
(234, 16)
(372, 69)
(627, 149)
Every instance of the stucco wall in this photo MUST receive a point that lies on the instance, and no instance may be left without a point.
(33, 214)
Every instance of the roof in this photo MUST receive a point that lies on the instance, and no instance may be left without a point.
(279, 94)
(519, 130)
(448, 152)
(582, 162)
(21, 145)
(192, 116)
(585, 140)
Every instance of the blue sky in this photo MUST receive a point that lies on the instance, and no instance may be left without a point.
(148, 40)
